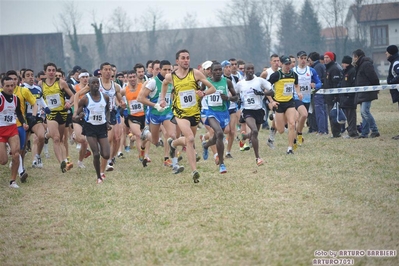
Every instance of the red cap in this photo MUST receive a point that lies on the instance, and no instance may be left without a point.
(330, 54)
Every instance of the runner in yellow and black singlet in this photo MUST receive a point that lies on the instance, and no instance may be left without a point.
(185, 100)
(185, 105)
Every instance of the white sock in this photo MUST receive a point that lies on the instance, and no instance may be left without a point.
(20, 167)
(174, 161)
(289, 148)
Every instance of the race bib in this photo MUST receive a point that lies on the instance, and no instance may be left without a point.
(167, 99)
(53, 101)
(305, 90)
(135, 107)
(251, 99)
(288, 89)
(187, 99)
(97, 118)
(215, 99)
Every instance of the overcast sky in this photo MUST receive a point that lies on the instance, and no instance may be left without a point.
(41, 16)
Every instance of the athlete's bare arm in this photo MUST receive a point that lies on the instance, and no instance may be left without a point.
(119, 96)
(199, 76)
(165, 83)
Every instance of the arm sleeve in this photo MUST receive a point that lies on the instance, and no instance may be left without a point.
(315, 78)
(29, 96)
(274, 77)
(395, 69)
(266, 84)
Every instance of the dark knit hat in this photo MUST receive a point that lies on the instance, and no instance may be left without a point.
(330, 54)
(392, 49)
(347, 59)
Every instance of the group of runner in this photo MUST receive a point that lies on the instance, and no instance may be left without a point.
(169, 101)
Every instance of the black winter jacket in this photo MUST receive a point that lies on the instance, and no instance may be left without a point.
(347, 100)
(332, 80)
(366, 76)
(393, 68)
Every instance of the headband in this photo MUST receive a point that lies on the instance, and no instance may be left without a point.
(84, 74)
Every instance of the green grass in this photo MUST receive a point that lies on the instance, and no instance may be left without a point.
(333, 194)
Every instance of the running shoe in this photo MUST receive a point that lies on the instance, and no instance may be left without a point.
(246, 147)
(300, 140)
(99, 181)
(109, 167)
(241, 145)
(177, 169)
(81, 165)
(23, 176)
(63, 166)
(14, 185)
(259, 161)
(168, 163)
(228, 156)
(222, 169)
(196, 176)
(144, 162)
(270, 143)
(290, 152)
(205, 152)
(69, 166)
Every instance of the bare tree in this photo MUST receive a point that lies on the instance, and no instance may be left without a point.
(189, 21)
(120, 27)
(100, 43)
(288, 33)
(69, 21)
(251, 42)
(152, 21)
(120, 21)
(335, 12)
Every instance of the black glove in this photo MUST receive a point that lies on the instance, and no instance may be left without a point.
(256, 92)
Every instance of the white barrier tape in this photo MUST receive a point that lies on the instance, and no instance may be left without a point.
(358, 89)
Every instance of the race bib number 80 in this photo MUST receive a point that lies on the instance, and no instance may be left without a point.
(187, 99)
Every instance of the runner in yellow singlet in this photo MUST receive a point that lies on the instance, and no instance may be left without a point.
(185, 105)
(285, 82)
(53, 93)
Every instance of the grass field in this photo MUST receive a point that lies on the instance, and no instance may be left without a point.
(333, 194)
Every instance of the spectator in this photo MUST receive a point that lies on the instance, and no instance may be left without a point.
(366, 76)
(393, 73)
(347, 100)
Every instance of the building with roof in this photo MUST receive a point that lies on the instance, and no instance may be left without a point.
(378, 25)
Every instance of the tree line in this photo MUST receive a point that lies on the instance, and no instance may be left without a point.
(256, 29)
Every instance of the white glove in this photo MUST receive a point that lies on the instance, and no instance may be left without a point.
(159, 108)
